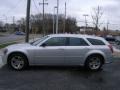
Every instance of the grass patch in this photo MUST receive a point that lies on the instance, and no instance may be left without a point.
(7, 44)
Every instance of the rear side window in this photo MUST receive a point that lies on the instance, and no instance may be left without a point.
(95, 41)
(77, 42)
(110, 39)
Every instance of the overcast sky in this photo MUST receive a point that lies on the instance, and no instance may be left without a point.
(75, 8)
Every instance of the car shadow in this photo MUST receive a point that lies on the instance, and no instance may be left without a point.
(70, 71)
(77, 69)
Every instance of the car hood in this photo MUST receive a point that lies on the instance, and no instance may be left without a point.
(19, 46)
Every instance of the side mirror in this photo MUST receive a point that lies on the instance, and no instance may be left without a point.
(43, 45)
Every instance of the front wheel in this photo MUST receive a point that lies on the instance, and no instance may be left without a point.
(17, 61)
(94, 63)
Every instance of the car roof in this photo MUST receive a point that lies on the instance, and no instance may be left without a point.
(79, 36)
(76, 35)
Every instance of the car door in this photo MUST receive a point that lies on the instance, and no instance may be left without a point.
(51, 52)
(75, 51)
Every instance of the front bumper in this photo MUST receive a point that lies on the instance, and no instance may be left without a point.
(4, 59)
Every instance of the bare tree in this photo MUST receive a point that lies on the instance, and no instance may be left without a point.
(1, 26)
(36, 24)
(96, 16)
(21, 24)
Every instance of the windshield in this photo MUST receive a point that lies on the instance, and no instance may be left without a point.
(38, 41)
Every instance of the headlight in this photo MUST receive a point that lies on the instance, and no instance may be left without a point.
(5, 50)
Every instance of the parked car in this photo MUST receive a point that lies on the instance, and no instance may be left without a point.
(19, 33)
(60, 49)
(114, 42)
(117, 42)
(110, 40)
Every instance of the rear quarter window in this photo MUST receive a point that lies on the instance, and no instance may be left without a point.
(95, 41)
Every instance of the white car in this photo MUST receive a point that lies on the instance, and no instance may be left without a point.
(60, 49)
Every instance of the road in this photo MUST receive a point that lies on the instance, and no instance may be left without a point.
(10, 38)
(13, 37)
(61, 78)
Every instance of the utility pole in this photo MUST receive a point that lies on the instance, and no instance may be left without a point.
(6, 27)
(13, 23)
(54, 15)
(44, 32)
(57, 16)
(5, 18)
(53, 19)
(13, 19)
(108, 25)
(64, 20)
(27, 20)
(85, 15)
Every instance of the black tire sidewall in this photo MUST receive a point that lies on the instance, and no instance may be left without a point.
(17, 54)
(88, 60)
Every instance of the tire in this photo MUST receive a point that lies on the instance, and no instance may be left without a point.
(17, 61)
(94, 63)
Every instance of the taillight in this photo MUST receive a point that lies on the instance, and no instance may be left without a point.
(111, 48)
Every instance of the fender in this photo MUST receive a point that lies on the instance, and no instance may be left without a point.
(95, 52)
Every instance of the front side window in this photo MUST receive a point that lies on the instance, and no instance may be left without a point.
(95, 41)
(56, 41)
(77, 42)
(38, 41)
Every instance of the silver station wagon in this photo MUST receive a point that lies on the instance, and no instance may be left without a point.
(60, 49)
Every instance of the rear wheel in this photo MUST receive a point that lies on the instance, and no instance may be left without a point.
(94, 63)
(17, 61)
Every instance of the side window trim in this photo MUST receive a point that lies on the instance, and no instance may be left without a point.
(56, 45)
(87, 44)
(92, 41)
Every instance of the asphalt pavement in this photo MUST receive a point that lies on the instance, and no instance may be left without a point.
(61, 78)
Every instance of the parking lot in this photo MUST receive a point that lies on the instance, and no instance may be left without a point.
(61, 78)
